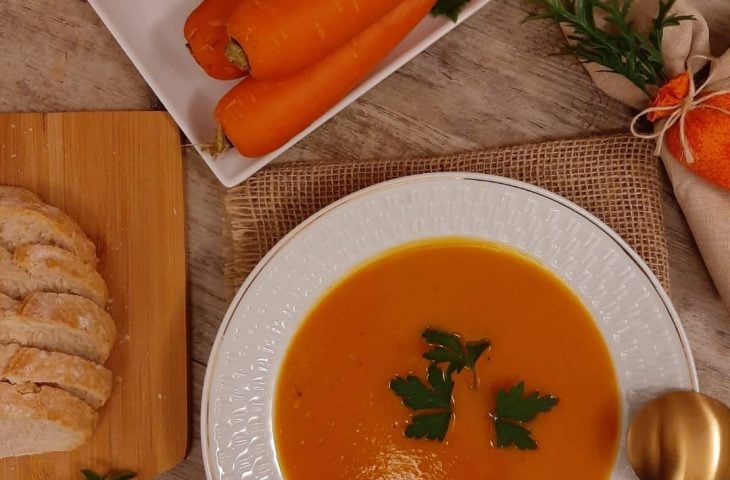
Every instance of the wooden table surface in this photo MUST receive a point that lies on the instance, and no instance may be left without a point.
(490, 82)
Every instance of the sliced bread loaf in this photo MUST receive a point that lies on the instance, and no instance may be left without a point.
(7, 303)
(83, 379)
(61, 323)
(44, 268)
(26, 220)
(42, 419)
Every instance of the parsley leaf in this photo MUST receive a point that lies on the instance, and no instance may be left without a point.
(449, 8)
(432, 426)
(509, 433)
(474, 350)
(436, 401)
(448, 348)
(123, 475)
(417, 396)
(515, 408)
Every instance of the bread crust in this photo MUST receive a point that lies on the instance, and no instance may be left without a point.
(60, 322)
(44, 268)
(55, 333)
(25, 220)
(45, 405)
(83, 379)
(7, 303)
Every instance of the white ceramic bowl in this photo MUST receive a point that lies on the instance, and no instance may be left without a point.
(648, 346)
(151, 33)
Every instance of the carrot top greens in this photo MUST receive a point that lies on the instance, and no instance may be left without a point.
(449, 8)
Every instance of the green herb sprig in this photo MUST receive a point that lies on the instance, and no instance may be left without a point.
(435, 401)
(449, 348)
(122, 475)
(620, 47)
(433, 404)
(514, 409)
(449, 8)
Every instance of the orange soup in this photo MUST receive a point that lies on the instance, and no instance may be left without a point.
(336, 418)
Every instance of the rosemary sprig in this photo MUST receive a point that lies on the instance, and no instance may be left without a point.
(619, 47)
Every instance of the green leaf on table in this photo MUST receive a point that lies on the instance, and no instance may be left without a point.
(121, 475)
(124, 475)
(433, 400)
(515, 408)
(91, 475)
(449, 8)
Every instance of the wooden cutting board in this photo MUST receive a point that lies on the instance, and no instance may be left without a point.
(119, 174)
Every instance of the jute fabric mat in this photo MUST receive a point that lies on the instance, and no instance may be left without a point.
(615, 178)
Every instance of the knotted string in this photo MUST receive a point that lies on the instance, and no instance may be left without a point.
(679, 112)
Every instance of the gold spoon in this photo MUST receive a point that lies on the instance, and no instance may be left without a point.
(681, 436)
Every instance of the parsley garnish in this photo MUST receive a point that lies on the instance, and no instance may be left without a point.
(513, 409)
(436, 401)
(448, 348)
(124, 475)
(449, 8)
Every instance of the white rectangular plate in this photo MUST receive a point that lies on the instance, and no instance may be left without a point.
(151, 33)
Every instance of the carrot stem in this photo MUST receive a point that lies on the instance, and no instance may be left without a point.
(207, 36)
(220, 144)
(282, 37)
(235, 54)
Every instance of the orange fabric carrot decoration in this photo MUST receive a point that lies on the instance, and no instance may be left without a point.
(259, 116)
(276, 38)
(706, 130)
(207, 36)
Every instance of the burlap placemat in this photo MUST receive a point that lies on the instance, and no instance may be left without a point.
(616, 178)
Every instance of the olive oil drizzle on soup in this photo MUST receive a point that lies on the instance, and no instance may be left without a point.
(336, 418)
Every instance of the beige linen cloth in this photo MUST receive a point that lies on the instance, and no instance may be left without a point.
(706, 207)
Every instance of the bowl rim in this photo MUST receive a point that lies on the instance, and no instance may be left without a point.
(460, 176)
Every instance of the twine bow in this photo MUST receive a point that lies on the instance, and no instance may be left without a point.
(679, 112)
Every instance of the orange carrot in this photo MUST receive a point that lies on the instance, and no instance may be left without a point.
(205, 31)
(259, 116)
(277, 38)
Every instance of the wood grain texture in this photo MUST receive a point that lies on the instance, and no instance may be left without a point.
(120, 176)
(488, 83)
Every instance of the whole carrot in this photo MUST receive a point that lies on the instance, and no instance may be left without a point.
(259, 116)
(207, 36)
(275, 38)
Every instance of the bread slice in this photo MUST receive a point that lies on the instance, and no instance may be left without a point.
(26, 220)
(7, 303)
(61, 323)
(81, 378)
(44, 268)
(42, 419)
